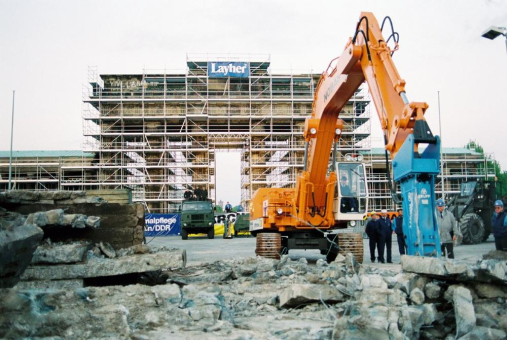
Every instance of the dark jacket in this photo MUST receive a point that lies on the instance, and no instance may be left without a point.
(499, 223)
(385, 226)
(372, 229)
(398, 225)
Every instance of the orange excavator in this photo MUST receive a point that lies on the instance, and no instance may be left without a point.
(308, 216)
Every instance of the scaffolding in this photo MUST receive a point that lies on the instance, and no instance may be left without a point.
(157, 134)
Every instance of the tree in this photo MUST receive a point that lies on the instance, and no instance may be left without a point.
(501, 176)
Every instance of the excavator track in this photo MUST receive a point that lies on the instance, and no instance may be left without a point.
(351, 243)
(269, 245)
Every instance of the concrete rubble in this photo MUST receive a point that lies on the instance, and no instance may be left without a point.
(75, 222)
(21, 235)
(57, 218)
(76, 215)
(258, 298)
(47, 197)
(58, 265)
(18, 241)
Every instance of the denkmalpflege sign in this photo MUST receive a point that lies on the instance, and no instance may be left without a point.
(162, 224)
(220, 69)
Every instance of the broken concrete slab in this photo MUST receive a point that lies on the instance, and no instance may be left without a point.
(484, 333)
(455, 267)
(417, 296)
(56, 217)
(93, 221)
(60, 253)
(107, 249)
(409, 281)
(18, 242)
(98, 267)
(485, 271)
(304, 293)
(493, 311)
(50, 284)
(493, 270)
(380, 296)
(357, 327)
(490, 291)
(423, 265)
(432, 290)
(464, 311)
(39, 218)
(121, 225)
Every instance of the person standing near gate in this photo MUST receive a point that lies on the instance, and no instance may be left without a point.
(372, 230)
(386, 237)
(398, 229)
(228, 207)
(446, 223)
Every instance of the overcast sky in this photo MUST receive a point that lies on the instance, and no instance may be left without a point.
(47, 46)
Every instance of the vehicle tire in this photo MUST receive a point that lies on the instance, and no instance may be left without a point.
(235, 233)
(211, 233)
(184, 234)
(472, 229)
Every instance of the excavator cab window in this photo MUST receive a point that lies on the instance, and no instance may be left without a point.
(351, 188)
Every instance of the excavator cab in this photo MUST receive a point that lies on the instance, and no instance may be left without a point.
(351, 193)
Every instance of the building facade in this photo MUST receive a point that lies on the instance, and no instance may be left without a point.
(159, 133)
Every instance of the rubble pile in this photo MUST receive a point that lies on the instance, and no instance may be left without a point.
(69, 223)
(260, 298)
(21, 235)
(76, 215)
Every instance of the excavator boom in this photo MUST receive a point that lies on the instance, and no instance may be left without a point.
(366, 57)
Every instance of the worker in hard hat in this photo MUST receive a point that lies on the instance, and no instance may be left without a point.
(385, 240)
(446, 223)
(499, 223)
(398, 229)
(373, 232)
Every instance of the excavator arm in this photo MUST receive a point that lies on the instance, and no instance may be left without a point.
(367, 57)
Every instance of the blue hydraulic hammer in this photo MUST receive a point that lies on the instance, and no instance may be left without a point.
(416, 173)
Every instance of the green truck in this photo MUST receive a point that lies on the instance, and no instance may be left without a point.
(197, 217)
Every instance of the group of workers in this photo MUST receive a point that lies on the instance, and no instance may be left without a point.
(199, 194)
(380, 230)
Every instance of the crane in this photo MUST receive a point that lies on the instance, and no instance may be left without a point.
(305, 216)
